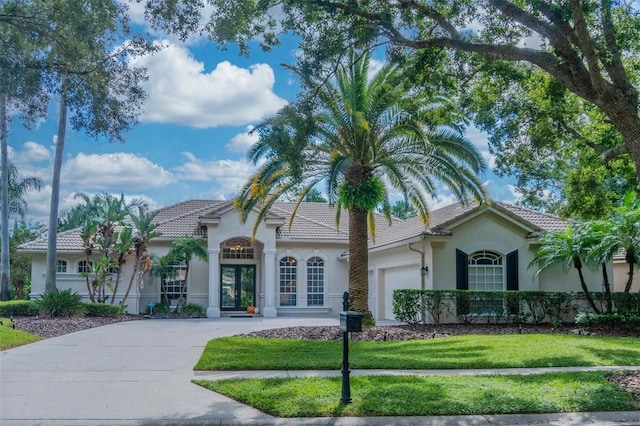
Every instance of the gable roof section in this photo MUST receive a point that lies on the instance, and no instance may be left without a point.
(173, 222)
(442, 219)
(316, 222)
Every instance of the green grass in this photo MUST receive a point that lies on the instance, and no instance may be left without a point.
(428, 395)
(10, 338)
(459, 352)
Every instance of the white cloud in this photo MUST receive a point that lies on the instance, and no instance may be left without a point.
(374, 67)
(229, 175)
(114, 172)
(38, 203)
(181, 92)
(242, 141)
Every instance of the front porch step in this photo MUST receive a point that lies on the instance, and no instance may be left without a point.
(230, 314)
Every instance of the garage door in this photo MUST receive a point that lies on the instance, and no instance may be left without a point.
(395, 279)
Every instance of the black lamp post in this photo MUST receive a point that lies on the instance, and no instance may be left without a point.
(349, 321)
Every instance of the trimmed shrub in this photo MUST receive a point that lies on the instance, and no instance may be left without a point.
(192, 309)
(589, 319)
(101, 310)
(19, 308)
(61, 303)
(437, 304)
(406, 306)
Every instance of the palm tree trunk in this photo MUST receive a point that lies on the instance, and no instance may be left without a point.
(631, 262)
(136, 267)
(607, 288)
(587, 293)
(5, 291)
(50, 283)
(359, 264)
(183, 288)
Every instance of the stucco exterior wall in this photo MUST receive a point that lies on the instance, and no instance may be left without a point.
(336, 273)
(77, 283)
(393, 269)
(621, 275)
(485, 232)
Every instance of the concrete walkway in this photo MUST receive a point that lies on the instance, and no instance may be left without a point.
(140, 372)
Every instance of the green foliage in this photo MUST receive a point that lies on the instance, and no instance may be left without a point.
(19, 308)
(20, 264)
(101, 310)
(192, 309)
(61, 303)
(516, 307)
(480, 351)
(589, 319)
(428, 395)
(10, 338)
(406, 306)
(366, 194)
(161, 308)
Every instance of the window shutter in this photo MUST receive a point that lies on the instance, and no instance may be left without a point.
(512, 270)
(462, 270)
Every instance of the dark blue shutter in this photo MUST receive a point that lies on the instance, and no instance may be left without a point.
(512, 270)
(462, 270)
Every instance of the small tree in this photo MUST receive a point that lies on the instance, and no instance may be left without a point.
(145, 231)
(184, 250)
(567, 248)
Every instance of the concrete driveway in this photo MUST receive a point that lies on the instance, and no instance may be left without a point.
(140, 372)
(129, 372)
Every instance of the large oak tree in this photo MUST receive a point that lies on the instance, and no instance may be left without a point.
(590, 47)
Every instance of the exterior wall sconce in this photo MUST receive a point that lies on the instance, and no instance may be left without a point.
(424, 270)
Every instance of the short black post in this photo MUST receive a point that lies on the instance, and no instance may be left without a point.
(346, 386)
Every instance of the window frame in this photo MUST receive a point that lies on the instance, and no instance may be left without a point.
(288, 278)
(315, 283)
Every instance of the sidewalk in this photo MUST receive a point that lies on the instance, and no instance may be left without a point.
(140, 372)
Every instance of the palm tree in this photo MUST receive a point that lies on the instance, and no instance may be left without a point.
(184, 250)
(621, 232)
(567, 248)
(14, 203)
(145, 231)
(363, 136)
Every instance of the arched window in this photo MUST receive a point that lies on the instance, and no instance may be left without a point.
(315, 281)
(237, 248)
(84, 266)
(486, 271)
(61, 266)
(288, 274)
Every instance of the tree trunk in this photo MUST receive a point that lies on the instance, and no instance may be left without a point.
(183, 288)
(359, 264)
(50, 283)
(607, 288)
(587, 293)
(5, 292)
(631, 262)
(136, 267)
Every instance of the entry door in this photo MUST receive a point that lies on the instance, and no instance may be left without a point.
(238, 287)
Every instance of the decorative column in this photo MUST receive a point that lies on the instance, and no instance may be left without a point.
(213, 311)
(269, 284)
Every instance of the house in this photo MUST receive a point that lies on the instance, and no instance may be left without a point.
(301, 268)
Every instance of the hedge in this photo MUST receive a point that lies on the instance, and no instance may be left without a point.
(19, 308)
(535, 307)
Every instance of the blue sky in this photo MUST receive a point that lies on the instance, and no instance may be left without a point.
(193, 135)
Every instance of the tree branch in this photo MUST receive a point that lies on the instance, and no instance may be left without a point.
(586, 44)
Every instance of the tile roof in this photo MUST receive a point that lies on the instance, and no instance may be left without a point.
(441, 219)
(315, 221)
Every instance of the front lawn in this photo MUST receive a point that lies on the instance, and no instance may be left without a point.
(10, 338)
(458, 352)
(429, 395)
